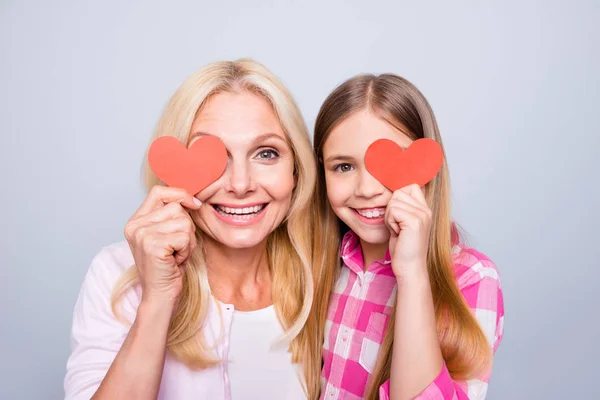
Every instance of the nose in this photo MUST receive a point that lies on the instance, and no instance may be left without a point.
(239, 178)
(367, 186)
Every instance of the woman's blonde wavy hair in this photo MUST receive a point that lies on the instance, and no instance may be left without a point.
(392, 98)
(288, 247)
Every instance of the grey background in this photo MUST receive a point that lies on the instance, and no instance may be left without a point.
(514, 86)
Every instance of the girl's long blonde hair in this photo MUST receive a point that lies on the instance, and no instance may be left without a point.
(392, 98)
(288, 247)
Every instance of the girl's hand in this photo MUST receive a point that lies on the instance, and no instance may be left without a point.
(161, 235)
(408, 218)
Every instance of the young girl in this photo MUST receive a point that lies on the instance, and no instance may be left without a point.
(413, 313)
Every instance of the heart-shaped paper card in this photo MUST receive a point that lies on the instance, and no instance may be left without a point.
(396, 168)
(193, 168)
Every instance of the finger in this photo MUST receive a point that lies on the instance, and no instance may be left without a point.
(181, 256)
(171, 211)
(180, 224)
(392, 225)
(417, 192)
(192, 247)
(405, 196)
(176, 244)
(162, 195)
(400, 195)
(407, 215)
(170, 226)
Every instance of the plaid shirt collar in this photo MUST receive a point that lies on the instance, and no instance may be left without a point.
(351, 254)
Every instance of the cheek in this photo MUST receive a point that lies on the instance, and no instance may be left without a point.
(337, 191)
(209, 191)
(199, 216)
(278, 180)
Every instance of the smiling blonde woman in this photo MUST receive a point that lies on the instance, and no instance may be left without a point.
(193, 304)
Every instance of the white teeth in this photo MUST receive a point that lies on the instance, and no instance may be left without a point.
(372, 214)
(242, 212)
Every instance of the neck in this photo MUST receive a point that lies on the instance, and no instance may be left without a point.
(239, 276)
(372, 252)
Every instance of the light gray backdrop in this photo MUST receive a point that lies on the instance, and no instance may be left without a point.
(514, 84)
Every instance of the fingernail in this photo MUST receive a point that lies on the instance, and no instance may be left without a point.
(197, 202)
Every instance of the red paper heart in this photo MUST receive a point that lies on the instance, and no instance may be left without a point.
(193, 168)
(396, 168)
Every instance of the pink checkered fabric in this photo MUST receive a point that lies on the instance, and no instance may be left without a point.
(360, 306)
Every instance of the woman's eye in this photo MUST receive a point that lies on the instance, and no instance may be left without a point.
(343, 168)
(268, 154)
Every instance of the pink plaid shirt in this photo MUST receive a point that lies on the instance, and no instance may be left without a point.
(358, 313)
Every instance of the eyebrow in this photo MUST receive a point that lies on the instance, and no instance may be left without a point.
(198, 133)
(338, 158)
(259, 139)
(266, 136)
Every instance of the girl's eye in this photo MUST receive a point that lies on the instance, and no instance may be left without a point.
(267, 154)
(343, 167)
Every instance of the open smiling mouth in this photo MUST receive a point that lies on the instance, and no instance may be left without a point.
(371, 215)
(240, 215)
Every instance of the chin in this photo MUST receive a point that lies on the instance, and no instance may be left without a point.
(237, 235)
(241, 240)
(374, 234)
(371, 234)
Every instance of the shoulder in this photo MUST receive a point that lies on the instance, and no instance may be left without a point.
(94, 301)
(472, 266)
(479, 282)
(109, 264)
(117, 255)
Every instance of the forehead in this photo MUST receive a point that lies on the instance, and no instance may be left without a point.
(359, 130)
(244, 113)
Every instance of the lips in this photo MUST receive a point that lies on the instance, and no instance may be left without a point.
(240, 215)
(242, 210)
(371, 213)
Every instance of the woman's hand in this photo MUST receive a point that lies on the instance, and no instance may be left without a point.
(409, 219)
(161, 235)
